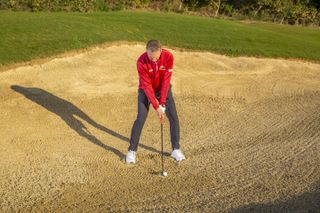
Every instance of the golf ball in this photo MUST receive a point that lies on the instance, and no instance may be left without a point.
(165, 174)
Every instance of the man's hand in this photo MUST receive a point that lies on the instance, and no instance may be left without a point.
(161, 110)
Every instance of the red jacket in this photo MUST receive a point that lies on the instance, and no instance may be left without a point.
(155, 76)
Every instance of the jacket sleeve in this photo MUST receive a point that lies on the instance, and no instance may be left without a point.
(166, 80)
(147, 85)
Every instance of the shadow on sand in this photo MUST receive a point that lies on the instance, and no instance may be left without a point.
(71, 114)
(306, 202)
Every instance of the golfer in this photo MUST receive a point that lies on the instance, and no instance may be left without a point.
(155, 67)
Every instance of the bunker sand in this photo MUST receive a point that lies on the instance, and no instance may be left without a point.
(250, 130)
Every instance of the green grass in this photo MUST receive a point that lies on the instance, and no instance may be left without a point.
(25, 36)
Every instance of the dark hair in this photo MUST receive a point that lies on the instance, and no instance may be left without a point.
(153, 45)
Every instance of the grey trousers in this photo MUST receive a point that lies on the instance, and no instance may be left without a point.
(143, 109)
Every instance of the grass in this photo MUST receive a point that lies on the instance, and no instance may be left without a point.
(25, 36)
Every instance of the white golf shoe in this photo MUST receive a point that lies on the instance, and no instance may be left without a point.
(131, 157)
(178, 155)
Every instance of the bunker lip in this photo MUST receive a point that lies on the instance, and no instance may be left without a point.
(249, 129)
(43, 60)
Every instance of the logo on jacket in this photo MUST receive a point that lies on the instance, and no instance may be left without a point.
(161, 67)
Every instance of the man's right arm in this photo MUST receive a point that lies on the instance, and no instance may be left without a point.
(147, 85)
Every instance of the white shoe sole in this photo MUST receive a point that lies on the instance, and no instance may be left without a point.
(178, 159)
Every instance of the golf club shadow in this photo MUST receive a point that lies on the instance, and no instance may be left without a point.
(68, 112)
(157, 173)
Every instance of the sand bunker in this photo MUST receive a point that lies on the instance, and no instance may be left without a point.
(250, 129)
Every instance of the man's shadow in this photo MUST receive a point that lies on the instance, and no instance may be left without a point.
(71, 114)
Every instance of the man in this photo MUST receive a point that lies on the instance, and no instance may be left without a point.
(155, 68)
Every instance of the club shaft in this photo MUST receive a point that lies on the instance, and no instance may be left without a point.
(162, 147)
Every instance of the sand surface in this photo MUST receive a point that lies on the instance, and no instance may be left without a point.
(250, 129)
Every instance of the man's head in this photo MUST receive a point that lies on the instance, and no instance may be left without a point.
(153, 49)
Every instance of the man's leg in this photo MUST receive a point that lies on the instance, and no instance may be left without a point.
(172, 115)
(143, 109)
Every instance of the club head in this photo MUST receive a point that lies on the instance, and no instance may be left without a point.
(164, 174)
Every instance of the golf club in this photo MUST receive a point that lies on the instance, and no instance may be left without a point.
(163, 173)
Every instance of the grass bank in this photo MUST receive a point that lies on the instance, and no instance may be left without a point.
(25, 36)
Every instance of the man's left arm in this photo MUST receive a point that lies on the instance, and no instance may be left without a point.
(166, 80)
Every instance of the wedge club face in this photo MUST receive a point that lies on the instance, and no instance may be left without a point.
(163, 174)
